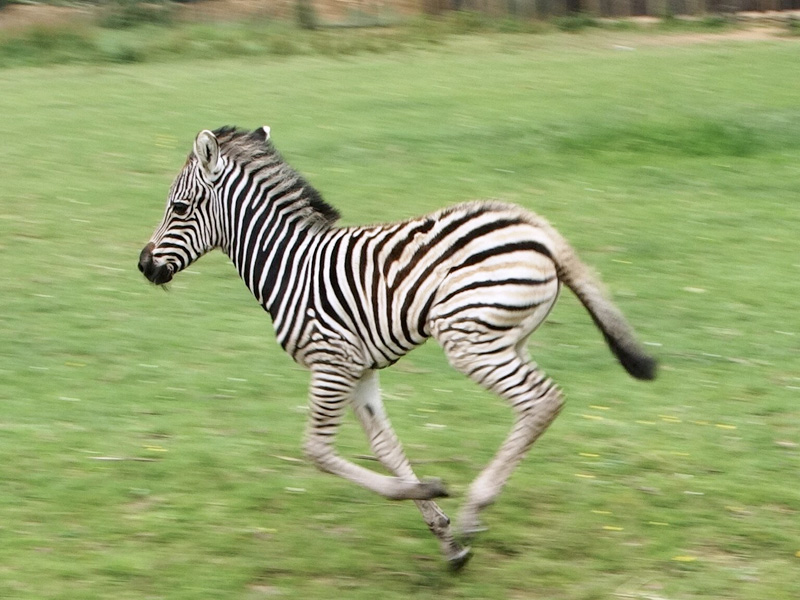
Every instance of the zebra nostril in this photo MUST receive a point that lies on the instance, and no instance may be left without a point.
(146, 258)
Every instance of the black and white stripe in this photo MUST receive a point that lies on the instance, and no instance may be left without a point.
(479, 277)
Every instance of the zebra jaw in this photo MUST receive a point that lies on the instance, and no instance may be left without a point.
(155, 273)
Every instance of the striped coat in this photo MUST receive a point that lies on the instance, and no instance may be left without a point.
(478, 277)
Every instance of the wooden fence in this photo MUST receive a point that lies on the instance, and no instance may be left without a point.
(350, 11)
(607, 8)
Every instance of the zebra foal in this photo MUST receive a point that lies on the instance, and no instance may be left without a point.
(346, 301)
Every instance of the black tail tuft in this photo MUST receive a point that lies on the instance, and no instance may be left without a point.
(633, 359)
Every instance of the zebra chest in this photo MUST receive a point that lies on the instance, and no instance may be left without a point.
(352, 314)
(311, 340)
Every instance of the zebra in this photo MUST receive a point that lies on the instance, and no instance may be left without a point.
(345, 302)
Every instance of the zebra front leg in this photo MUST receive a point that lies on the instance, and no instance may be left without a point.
(331, 391)
(370, 411)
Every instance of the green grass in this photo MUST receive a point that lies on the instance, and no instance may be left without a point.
(673, 170)
(131, 31)
(125, 40)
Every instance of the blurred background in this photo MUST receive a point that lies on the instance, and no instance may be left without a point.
(137, 30)
(150, 441)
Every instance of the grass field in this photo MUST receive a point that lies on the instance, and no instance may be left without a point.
(674, 169)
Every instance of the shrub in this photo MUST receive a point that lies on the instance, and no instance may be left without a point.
(124, 14)
(794, 26)
(715, 22)
(575, 22)
(48, 45)
(468, 21)
(306, 16)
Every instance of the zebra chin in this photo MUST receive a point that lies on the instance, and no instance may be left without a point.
(158, 274)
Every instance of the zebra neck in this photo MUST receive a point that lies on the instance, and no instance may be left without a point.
(270, 242)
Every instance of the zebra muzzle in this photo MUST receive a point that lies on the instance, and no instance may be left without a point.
(158, 274)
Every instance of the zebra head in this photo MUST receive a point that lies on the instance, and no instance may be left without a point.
(187, 230)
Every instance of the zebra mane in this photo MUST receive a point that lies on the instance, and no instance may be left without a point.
(254, 148)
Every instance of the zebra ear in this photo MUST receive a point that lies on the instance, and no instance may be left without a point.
(206, 150)
(261, 134)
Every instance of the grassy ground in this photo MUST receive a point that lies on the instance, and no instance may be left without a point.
(673, 170)
(134, 32)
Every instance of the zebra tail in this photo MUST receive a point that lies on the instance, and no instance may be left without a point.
(618, 333)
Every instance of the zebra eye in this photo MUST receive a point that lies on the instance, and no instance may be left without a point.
(180, 208)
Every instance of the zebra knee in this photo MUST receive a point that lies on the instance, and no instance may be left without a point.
(543, 407)
(319, 452)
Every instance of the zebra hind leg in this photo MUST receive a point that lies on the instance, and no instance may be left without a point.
(535, 399)
(536, 403)
(370, 411)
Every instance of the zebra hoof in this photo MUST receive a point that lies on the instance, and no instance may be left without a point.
(459, 560)
(433, 487)
(468, 530)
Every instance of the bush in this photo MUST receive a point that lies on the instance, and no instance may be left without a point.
(468, 21)
(306, 16)
(715, 22)
(124, 14)
(794, 26)
(575, 22)
(42, 45)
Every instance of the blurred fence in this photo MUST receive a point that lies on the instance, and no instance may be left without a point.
(350, 10)
(607, 8)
